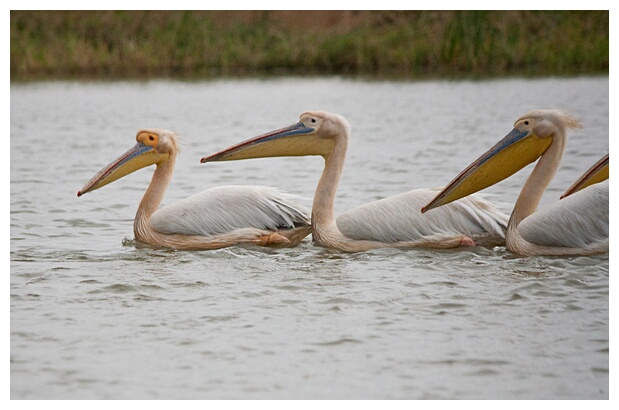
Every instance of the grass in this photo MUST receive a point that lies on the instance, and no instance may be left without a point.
(410, 44)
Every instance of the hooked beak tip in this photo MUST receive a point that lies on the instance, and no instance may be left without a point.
(429, 206)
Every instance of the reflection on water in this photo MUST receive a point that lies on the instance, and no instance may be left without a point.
(96, 315)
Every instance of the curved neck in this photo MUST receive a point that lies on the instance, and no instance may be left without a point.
(538, 181)
(155, 192)
(324, 198)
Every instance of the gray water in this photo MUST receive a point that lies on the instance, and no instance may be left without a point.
(96, 315)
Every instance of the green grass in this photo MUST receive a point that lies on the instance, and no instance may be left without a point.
(410, 44)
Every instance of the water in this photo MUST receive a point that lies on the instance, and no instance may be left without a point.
(96, 315)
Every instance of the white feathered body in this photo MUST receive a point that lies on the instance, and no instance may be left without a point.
(398, 219)
(577, 224)
(224, 209)
(225, 216)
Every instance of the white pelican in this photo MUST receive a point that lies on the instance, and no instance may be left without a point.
(215, 218)
(391, 222)
(596, 174)
(575, 225)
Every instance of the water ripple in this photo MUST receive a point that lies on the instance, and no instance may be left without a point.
(96, 314)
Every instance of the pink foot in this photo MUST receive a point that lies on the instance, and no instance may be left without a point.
(273, 239)
(466, 241)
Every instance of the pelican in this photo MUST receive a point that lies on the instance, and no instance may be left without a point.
(389, 222)
(597, 173)
(215, 218)
(575, 225)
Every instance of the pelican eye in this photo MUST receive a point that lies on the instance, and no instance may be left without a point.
(526, 122)
(314, 120)
(147, 138)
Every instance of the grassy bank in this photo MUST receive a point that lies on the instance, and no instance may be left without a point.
(121, 44)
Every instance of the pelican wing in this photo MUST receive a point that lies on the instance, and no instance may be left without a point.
(224, 209)
(575, 221)
(399, 219)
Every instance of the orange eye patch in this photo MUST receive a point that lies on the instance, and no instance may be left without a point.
(148, 138)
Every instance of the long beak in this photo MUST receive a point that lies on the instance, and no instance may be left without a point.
(517, 150)
(138, 157)
(294, 140)
(597, 173)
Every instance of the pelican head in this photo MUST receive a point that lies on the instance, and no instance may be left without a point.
(314, 134)
(532, 135)
(597, 173)
(154, 146)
